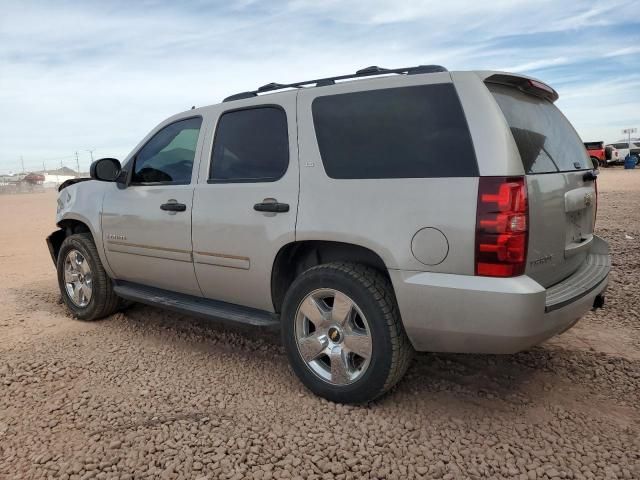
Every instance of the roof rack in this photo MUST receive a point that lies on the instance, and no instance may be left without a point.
(322, 82)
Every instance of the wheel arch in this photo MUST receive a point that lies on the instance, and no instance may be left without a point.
(294, 258)
(67, 227)
(71, 224)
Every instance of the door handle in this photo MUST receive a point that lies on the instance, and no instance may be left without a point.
(274, 207)
(173, 207)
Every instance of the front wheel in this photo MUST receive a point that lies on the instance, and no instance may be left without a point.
(85, 286)
(343, 334)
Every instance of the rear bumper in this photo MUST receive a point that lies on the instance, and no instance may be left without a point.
(468, 314)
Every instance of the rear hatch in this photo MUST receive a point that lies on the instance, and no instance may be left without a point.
(562, 203)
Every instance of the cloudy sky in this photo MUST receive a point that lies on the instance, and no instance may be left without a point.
(79, 76)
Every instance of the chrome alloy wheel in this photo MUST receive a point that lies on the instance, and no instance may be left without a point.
(333, 336)
(78, 281)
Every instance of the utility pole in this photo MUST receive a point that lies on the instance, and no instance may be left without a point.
(91, 153)
(77, 164)
(22, 162)
(44, 167)
(629, 131)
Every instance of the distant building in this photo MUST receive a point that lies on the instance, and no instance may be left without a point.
(45, 178)
(53, 178)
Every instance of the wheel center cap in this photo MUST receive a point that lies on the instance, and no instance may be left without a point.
(335, 335)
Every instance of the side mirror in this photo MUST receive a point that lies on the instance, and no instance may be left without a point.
(105, 169)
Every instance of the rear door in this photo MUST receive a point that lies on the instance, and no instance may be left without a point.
(561, 202)
(246, 199)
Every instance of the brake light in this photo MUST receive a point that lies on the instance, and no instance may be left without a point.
(595, 210)
(502, 227)
(541, 86)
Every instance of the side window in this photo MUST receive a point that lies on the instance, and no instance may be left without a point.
(406, 132)
(168, 156)
(250, 145)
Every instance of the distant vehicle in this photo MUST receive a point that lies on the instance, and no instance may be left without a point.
(34, 179)
(625, 148)
(597, 153)
(326, 210)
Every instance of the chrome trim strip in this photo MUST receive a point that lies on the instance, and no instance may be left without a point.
(135, 245)
(222, 260)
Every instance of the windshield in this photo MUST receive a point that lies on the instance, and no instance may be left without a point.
(546, 140)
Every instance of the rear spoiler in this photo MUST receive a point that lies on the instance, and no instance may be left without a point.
(527, 85)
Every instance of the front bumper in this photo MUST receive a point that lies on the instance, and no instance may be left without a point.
(54, 241)
(468, 314)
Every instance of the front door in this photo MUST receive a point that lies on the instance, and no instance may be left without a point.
(246, 200)
(147, 225)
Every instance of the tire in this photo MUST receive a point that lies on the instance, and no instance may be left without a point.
(101, 301)
(374, 313)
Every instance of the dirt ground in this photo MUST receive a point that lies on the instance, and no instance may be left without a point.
(152, 394)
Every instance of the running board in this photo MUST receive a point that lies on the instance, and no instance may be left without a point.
(196, 306)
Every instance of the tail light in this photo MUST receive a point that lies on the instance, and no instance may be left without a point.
(595, 209)
(502, 226)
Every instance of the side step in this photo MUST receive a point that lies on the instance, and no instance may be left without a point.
(196, 306)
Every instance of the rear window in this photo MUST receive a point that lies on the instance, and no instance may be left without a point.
(408, 132)
(594, 145)
(546, 140)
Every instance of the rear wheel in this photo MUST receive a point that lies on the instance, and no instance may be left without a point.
(343, 334)
(85, 286)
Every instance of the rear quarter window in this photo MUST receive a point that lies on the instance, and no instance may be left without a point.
(545, 139)
(407, 132)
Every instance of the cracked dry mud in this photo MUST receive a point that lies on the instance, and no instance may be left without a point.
(152, 394)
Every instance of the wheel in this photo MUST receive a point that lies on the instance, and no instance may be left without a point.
(85, 287)
(343, 334)
(637, 158)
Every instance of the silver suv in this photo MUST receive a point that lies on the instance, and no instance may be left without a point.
(366, 216)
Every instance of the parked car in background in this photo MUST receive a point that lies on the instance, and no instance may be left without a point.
(325, 209)
(597, 153)
(625, 148)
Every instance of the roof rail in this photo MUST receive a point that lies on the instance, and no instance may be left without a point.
(321, 82)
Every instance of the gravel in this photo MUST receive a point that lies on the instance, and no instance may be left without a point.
(152, 394)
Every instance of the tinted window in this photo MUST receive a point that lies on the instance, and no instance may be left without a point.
(168, 156)
(250, 145)
(621, 145)
(546, 140)
(408, 132)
